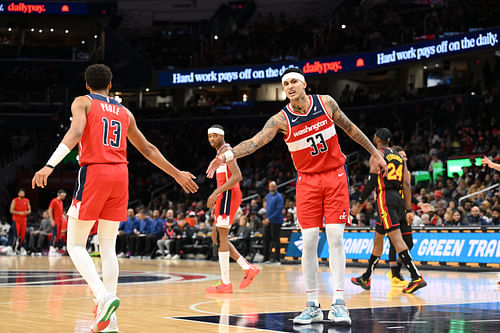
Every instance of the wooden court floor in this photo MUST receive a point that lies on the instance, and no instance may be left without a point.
(41, 294)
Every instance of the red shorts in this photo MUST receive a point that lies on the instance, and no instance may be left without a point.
(101, 192)
(226, 206)
(322, 195)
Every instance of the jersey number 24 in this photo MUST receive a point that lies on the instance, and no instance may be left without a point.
(395, 173)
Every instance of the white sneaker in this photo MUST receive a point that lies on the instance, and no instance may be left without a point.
(54, 253)
(10, 251)
(23, 252)
(121, 255)
(105, 309)
(113, 325)
(311, 314)
(176, 256)
(169, 256)
(339, 313)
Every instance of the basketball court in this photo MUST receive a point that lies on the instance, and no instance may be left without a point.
(45, 294)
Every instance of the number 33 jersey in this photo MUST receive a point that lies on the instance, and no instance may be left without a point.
(104, 138)
(312, 139)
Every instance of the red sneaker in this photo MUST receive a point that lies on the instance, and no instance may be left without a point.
(415, 285)
(221, 288)
(250, 274)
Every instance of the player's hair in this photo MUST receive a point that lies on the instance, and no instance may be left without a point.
(292, 70)
(98, 76)
(217, 126)
(384, 135)
(398, 148)
(21, 189)
(61, 192)
(496, 209)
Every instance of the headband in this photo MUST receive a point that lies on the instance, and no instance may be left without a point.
(215, 130)
(293, 75)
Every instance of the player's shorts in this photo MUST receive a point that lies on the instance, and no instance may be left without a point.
(226, 206)
(322, 197)
(101, 192)
(391, 211)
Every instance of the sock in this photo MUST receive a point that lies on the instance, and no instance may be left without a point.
(106, 232)
(372, 263)
(408, 262)
(395, 270)
(78, 232)
(243, 263)
(310, 263)
(224, 267)
(335, 237)
(399, 265)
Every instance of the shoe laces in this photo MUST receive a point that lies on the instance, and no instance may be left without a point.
(308, 311)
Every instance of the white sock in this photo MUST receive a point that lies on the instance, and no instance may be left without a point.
(243, 263)
(78, 232)
(224, 267)
(335, 236)
(310, 263)
(107, 232)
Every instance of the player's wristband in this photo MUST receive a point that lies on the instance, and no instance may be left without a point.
(50, 166)
(228, 155)
(409, 210)
(61, 151)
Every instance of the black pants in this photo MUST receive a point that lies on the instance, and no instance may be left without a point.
(272, 241)
(37, 241)
(131, 244)
(242, 245)
(151, 246)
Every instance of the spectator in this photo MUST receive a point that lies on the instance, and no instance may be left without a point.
(184, 237)
(456, 219)
(4, 231)
(425, 219)
(125, 230)
(241, 239)
(170, 235)
(41, 236)
(145, 228)
(438, 199)
(155, 233)
(475, 217)
(495, 215)
(272, 223)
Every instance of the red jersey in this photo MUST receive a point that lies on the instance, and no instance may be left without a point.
(312, 139)
(57, 210)
(223, 173)
(21, 205)
(104, 138)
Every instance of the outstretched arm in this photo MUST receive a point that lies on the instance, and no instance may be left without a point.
(149, 151)
(79, 110)
(489, 163)
(273, 125)
(353, 131)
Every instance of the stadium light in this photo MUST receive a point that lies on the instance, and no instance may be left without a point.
(147, 89)
(343, 26)
(83, 42)
(66, 31)
(95, 36)
(51, 29)
(10, 29)
(216, 37)
(32, 29)
(40, 30)
(425, 67)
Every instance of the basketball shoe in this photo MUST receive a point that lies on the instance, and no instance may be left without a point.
(396, 281)
(250, 274)
(105, 309)
(310, 315)
(113, 323)
(220, 288)
(359, 281)
(415, 285)
(339, 314)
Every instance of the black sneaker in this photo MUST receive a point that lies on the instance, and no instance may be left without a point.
(414, 285)
(359, 281)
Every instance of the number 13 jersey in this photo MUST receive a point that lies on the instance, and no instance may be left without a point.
(104, 138)
(312, 140)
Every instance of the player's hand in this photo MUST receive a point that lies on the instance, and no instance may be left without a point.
(266, 221)
(185, 180)
(211, 200)
(356, 209)
(409, 218)
(486, 161)
(40, 177)
(379, 163)
(216, 162)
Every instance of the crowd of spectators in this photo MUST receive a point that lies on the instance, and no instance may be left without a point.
(276, 38)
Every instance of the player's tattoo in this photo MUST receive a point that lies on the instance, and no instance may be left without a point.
(273, 125)
(299, 108)
(350, 128)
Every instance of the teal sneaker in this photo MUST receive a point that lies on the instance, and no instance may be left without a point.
(311, 314)
(339, 313)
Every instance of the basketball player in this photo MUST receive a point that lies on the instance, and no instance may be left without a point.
(100, 126)
(308, 127)
(224, 202)
(391, 207)
(20, 208)
(486, 161)
(56, 209)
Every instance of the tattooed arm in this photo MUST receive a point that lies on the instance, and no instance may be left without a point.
(353, 131)
(275, 124)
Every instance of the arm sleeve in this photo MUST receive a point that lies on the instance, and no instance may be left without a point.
(369, 187)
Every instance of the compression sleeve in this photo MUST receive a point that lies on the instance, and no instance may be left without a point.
(369, 187)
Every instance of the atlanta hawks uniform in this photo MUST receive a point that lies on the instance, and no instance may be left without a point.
(322, 185)
(101, 190)
(21, 205)
(228, 202)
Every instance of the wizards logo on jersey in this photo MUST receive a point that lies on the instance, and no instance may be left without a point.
(312, 139)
